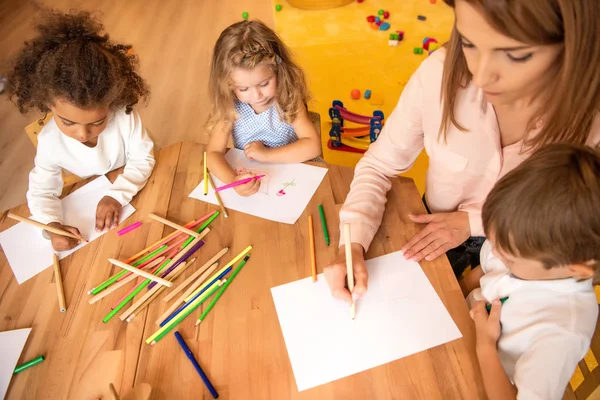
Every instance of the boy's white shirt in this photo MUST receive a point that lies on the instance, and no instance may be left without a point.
(547, 326)
(124, 142)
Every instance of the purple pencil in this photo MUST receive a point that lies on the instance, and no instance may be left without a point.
(182, 259)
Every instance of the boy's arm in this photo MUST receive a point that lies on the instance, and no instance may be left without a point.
(307, 147)
(487, 332)
(139, 165)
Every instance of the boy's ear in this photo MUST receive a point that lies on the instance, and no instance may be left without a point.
(582, 271)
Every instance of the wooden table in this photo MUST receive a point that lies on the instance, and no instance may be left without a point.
(240, 344)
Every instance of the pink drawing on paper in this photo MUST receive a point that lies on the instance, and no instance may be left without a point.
(286, 185)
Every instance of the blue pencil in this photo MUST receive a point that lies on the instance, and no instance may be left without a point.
(190, 355)
(174, 314)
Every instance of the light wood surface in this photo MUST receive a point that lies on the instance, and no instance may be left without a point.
(239, 344)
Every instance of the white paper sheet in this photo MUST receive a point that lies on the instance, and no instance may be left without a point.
(29, 253)
(399, 315)
(11, 346)
(284, 193)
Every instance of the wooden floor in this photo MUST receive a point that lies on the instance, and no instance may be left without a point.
(174, 40)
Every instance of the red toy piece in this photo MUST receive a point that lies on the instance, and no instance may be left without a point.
(427, 42)
(386, 14)
(355, 94)
(371, 18)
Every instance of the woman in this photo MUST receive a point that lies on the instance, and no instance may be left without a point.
(515, 75)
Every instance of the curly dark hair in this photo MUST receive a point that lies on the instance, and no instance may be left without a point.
(73, 59)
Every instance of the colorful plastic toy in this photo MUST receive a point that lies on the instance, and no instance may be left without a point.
(377, 19)
(422, 18)
(418, 50)
(245, 15)
(355, 94)
(357, 140)
(380, 12)
(384, 27)
(367, 94)
(371, 18)
(278, 7)
(386, 14)
(428, 42)
(400, 35)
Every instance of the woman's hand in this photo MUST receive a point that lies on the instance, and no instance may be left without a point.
(107, 213)
(444, 231)
(335, 274)
(247, 189)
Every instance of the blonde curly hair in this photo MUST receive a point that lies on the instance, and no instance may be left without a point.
(247, 44)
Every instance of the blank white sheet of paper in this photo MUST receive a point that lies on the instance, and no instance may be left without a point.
(284, 192)
(29, 253)
(11, 346)
(400, 314)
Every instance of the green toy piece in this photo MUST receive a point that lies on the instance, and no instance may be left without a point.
(245, 15)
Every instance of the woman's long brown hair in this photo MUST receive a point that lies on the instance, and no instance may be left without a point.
(573, 100)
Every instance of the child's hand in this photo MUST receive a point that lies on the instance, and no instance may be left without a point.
(107, 213)
(256, 151)
(247, 189)
(487, 327)
(62, 243)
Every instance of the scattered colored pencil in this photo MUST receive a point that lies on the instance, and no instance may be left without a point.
(313, 257)
(173, 225)
(129, 228)
(48, 228)
(324, 224)
(178, 260)
(62, 305)
(218, 196)
(201, 228)
(139, 272)
(28, 364)
(200, 293)
(191, 357)
(349, 267)
(188, 310)
(237, 183)
(205, 175)
(222, 290)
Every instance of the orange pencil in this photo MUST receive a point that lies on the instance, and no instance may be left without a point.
(313, 257)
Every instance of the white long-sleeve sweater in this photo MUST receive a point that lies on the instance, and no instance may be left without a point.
(124, 142)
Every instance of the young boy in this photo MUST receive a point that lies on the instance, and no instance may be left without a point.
(542, 221)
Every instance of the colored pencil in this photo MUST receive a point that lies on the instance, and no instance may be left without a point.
(176, 273)
(237, 183)
(173, 225)
(313, 256)
(349, 267)
(48, 228)
(202, 227)
(187, 254)
(195, 275)
(222, 290)
(191, 357)
(218, 196)
(129, 228)
(324, 224)
(124, 282)
(159, 334)
(139, 272)
(200, 293)
(205, 175)
(229, 264)
(134, 293)
(28, 364)
(113, 391)
(181, 299)
(62, 305)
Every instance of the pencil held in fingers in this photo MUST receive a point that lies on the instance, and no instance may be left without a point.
(349, 267)
(46, 227)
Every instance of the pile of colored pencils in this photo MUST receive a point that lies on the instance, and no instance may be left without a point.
(160, 262)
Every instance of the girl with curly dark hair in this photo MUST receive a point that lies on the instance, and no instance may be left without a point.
(90, 84)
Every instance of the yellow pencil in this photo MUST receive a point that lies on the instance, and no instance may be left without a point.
(205, 175)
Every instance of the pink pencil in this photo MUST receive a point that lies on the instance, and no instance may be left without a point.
(178, 235)
(129, 228)
(237, 183)
(160, 253)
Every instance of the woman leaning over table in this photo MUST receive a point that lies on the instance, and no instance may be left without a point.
(515, 76)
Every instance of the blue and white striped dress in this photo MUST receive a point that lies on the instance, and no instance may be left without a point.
(266, 127)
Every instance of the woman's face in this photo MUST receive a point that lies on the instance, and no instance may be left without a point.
(82, 125)
(505, 69)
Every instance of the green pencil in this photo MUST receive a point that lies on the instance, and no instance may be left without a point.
(133, 294)
(324, 224)
(222, 290)
(28, 364)
(201, 228)
(112, 280)
(488, 307)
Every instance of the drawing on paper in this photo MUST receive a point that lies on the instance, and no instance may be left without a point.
(264, 181)
(285, 185)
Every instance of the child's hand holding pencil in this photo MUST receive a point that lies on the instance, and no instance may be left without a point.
(61, 242)
(247, 189)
